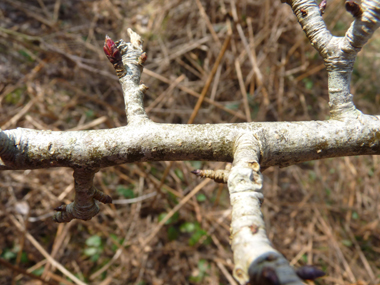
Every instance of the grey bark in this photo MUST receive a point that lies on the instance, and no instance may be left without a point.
(250, 146)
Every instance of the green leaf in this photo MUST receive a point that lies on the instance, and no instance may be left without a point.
(95, 257)
(201, 197)
(90, 114)
(8, 255)
(347, 242)
(39, 271)
(15, 96)
(196, 164)
(233, 106)
(117, 239)
(196, 236)
(90, 251)
(187, 227)
(126, 192)
(308, 83)
(172, 233)
(172, 219)
(179, 173)
(203, 267)
(95, 241)
(24, 257)
(26, 55)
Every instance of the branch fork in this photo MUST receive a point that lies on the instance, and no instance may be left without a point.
(127, 60)
(251, 147)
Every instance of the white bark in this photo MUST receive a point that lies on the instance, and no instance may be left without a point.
(250, 146)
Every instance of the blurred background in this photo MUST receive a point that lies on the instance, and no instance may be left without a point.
(54, 76)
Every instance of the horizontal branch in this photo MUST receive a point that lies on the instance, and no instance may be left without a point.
(282, 143)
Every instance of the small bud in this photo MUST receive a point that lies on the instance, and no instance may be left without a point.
(354, 8)
(309, 272)
(142, 58)
(303, 12)
(322, 6)
(111, 50)
(61, 208)
(270, 276)
(143, 88)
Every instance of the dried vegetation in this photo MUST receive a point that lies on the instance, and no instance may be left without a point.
(54, 75)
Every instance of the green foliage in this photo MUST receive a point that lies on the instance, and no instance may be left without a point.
(196, 233)
(201, 197)
(171, 220)
(172, 233)
(8, 254)
(94, 247)
(117, 239)
(39, 271)
(179, 173)
(14, 97)
(90, 114)
(347, 242)
(233, 106)
(127, 192)
(26, 55)
(308, 83)
(196, 164)
(198, 275)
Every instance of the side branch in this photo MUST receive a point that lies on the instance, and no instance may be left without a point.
(309, 16)
(338, 53)
(128, 60)
(256, 261)
(364, 25)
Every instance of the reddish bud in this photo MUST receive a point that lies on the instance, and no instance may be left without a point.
(354, 8)
(322, 6)
(111, 50)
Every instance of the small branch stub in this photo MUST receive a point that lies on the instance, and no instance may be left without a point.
(353, 8)
(85, 205)
(219, 176)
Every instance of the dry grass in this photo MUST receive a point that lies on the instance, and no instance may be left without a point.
(53, 75)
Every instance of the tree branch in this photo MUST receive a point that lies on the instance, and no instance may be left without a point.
(338, 53)
(251, 146)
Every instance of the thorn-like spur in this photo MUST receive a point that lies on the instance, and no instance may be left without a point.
(219, 176)
(101, 197)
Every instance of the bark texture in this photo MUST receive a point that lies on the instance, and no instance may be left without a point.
(249, 146)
